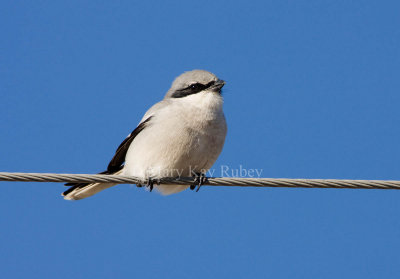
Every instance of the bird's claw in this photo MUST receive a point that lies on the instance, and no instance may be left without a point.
(199, 180)
(150, 183)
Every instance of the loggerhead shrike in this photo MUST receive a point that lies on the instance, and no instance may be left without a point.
(180, 136)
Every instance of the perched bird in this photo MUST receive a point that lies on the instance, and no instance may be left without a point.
(181, 135)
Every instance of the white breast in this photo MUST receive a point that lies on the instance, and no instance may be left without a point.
(186, 135)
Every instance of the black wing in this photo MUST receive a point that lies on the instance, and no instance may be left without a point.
(117, 162)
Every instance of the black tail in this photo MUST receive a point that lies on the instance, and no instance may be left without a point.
(74, 186)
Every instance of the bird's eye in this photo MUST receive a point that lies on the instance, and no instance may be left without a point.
(190, 89)
(197, 86)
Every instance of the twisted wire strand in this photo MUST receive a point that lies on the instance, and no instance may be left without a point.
(211, 181)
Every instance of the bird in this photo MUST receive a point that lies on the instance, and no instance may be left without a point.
(182, 135)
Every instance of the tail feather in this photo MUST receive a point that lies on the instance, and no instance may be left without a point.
(79, 191)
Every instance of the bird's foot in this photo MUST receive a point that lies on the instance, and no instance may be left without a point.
(199, 180)
(150, 183)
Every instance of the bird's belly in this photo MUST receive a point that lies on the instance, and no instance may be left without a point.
(179, 152)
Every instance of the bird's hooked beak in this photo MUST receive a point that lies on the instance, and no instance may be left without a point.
(217, 86)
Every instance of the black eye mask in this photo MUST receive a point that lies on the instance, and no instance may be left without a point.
(191, 89)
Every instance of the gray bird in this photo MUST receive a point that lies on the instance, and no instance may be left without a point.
(180, 136)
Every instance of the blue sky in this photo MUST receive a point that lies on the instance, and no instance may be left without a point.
(312, 92)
